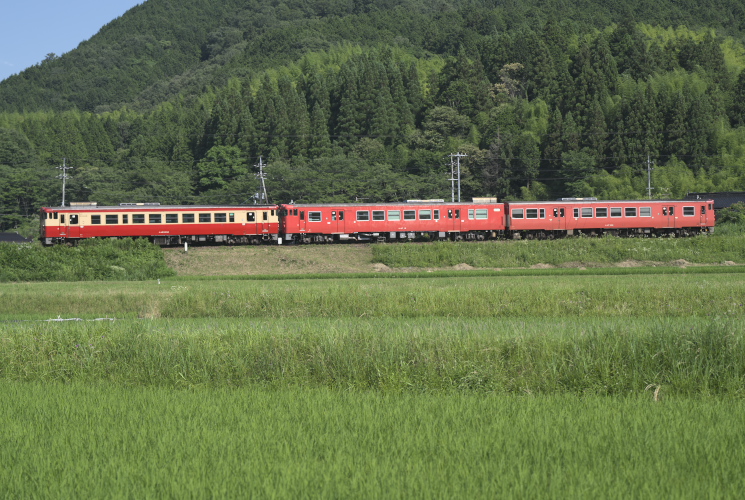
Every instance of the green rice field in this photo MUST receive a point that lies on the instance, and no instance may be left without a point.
(518, 386)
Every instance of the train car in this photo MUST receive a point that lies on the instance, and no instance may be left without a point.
(550, 219)
(163, 225)
(435, 220)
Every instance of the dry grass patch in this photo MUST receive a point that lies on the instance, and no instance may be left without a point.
(222, 261)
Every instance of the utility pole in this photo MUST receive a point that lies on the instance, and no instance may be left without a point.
(64, 177)
(649, 178)
(262, 176)
(455, 175)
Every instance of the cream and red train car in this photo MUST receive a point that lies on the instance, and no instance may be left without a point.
(436, 220)
(164, 225)
(549, 219)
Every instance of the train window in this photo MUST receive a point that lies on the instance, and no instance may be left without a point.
(689, 211)
(302, 215)
(205, 217)
(672, 210)
(470, 213)
(664, 210)
(543, 213)
(517, 213)
(171, 218)
(155, 218)
(425, 214)
(586, 212)
(394, 214)
(710, 208)
(561, 212)
(251, 216)
(409, 214)
(112, 219)
(437, 215)
(187, 218)
(645, 211)
(601, 212)
(576, 213)
(363, 215)
(616, 212)
(703, 209)
(62, 218)
(221, 217)
(74, 218)
(272, 213)
(378, 214)
(314, 216)
(138, 218)
(450, 214)
(630, 212)
(333, 215)
(125, 219)
(295, 212)
(341, 214)
(266, 216)
(457, 214)
(556, 212)
(95, 219)
(531, 213)
(482, 213)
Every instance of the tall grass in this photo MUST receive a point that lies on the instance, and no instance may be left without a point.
(125, 259)
(610, 357)
(585, 296)
(607, 250)
(108, 441)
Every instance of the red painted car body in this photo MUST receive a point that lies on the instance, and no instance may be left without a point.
(596, 217)
(390, 221)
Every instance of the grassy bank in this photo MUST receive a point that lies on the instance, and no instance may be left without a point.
(92, 260)
(715, 249)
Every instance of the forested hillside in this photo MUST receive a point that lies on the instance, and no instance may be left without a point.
(176, 102)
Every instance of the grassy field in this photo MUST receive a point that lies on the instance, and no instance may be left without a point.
(525, 383)
(107, 441)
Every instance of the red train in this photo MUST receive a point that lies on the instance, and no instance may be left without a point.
(325, 223)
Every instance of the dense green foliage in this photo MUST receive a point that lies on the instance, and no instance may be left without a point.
(365, 100)
(115, 260)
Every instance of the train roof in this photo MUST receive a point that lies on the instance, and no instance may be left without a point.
(153, 207)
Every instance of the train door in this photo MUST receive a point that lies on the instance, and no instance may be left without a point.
(454, 216)
(337, 221)
(558, 216)
(264, 220)
(668, 215)
(702, 216)
(71, 225)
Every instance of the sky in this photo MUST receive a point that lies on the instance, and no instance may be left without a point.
(31, 29)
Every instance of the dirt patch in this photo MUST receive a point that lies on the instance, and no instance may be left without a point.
(729, 263)
(462, 267)
(629, 263)
(379, 267)
(680, 263)
(541, 266)
(251, 260)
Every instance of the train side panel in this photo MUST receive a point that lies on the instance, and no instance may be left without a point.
(162, 224)
(623, 218)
